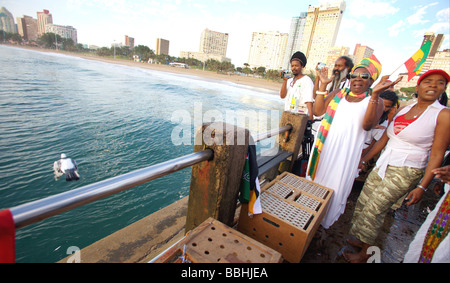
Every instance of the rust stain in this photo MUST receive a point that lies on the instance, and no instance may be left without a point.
(203, 171)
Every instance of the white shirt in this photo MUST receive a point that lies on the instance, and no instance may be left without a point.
(299, 94)
(375, 133)
(411, 147)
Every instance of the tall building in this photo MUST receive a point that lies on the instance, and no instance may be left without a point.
(267, 49)
(7, 21)
(295, 38)
(321, 30)
(27, 27)
(334, 53)
(162, 46)
(361, 52)
(63, 31)
(43, 18)
(213, 45)
(441, 61)
(213, 42)
(129, 41)
(436, 42)
(435, 60)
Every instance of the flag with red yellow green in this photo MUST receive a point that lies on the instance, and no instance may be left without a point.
(415, 63)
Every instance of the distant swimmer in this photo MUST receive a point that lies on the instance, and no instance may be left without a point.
(66, 166)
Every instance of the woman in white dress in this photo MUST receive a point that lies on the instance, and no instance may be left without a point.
(349, 113)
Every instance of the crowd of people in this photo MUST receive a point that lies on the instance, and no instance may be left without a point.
(359, 123)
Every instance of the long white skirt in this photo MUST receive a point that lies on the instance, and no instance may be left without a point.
(341, 153)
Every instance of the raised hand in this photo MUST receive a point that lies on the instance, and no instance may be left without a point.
(385, 83)
(323, 76)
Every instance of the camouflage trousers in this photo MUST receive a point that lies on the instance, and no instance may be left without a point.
(378, 196)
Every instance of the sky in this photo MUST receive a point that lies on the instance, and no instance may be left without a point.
(393, 28)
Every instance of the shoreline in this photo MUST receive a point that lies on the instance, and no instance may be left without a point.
(240, 80)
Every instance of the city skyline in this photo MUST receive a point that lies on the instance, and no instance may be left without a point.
(393, 28)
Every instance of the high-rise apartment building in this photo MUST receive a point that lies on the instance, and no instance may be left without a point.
(162, 46)
(43, 18)
(267, 49)
(321, 30)
(27, 27)
(63, 31)
(441, 60)
(7, 21)
(213, 45)
(361, 52)
(129, 41)
(213, 42)
(436, 42)
(295, 38)
(334, 53)
(436, 60)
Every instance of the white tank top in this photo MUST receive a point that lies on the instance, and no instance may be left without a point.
(411, 147)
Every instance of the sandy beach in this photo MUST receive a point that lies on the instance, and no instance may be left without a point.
(242, 80)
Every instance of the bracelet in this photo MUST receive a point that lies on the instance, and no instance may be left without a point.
(321, 92)
(420, 186)
(373, 101)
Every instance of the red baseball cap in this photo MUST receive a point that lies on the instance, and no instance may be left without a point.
(432, 72)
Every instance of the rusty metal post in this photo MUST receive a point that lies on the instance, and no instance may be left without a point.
(215, 184)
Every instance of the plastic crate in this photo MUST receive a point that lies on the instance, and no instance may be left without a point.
(293, 208)
(215, 242)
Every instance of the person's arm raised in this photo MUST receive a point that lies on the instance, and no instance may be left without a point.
(321, 103)
(376, 104)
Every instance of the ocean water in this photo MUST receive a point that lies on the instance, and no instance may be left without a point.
(111, 119)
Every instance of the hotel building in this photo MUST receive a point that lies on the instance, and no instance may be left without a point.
(43, 18)
(361, 52)
(295, 38)
(321, 30)
(162, 46)
(27, 27)
(63, 31)
(7, 21)
(129, 41)
(213, 45)
(268, 49)
(213, 42)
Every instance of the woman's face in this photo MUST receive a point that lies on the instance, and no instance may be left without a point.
(360, 85)
(431, 87)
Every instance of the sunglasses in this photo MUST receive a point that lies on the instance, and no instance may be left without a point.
(362, 75)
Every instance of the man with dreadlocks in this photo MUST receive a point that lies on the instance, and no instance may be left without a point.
(298, 90)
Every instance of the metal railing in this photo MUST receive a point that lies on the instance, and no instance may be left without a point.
(38, 210)
(272, 133)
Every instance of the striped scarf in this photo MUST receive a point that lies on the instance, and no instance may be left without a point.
(325, 127)
(437, 231)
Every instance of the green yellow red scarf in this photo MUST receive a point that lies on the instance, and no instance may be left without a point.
(325, 127)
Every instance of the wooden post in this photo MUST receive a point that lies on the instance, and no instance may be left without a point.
(215, 184)
(293, 144)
